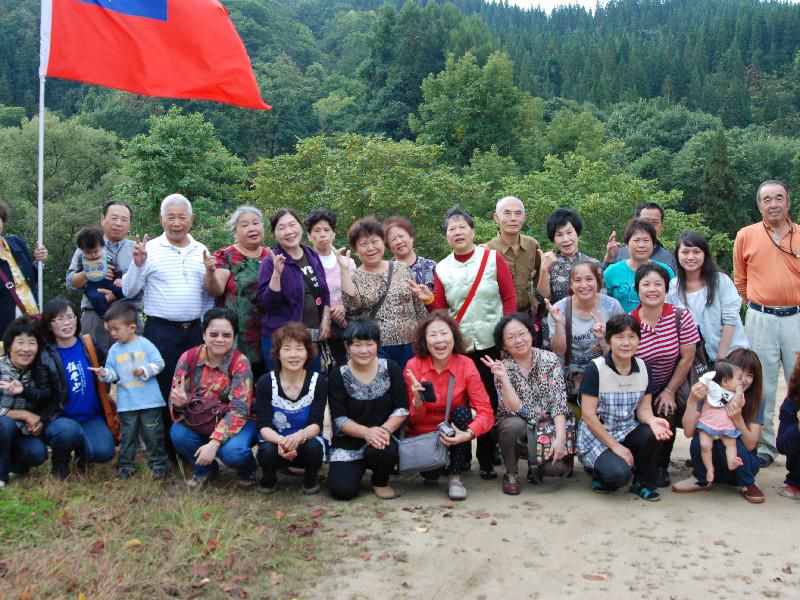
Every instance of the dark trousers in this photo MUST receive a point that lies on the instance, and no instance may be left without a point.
(171, 342)
(665, 447)
(18, 452)
(793, 469)
(309, 457)
(344, 477)
(743, 476)
(149, 423)
(613, 472)
(487, 442)
(458, 456)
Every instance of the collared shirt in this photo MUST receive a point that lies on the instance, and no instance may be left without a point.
(173, 280)
(24, 291)
(120, 254)
(541, 392)
(468, 391)
(524, 264)
(761, 271)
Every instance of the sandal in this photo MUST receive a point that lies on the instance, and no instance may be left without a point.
(456, 490)
(599, 488)
(644, 492)
(385, 492)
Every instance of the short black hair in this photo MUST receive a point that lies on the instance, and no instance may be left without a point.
(522, 317)
(635, 225)
(619, 323)
(23, 325)
(89, 238)
(361, 328)
(561, 217)
(124, 311)
(221, 313)
(648, 205)
(279, 214)
(320, 214)
(645, 270)
(363, 228)
(723, 370)
(111, 203)
(5, 211)
(460, 213)
(51, 310)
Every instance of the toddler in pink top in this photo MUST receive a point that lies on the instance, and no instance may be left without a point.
(723, 383)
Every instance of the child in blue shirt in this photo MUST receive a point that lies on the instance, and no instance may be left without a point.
(133, 363)
(94, 263)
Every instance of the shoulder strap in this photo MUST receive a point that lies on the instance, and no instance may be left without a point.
(474, 288)
(568, 331)
(109, 411)
(450, 387)
(12, 290)
(374, 312)
(678, 318)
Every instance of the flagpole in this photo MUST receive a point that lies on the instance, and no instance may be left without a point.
(40, 191)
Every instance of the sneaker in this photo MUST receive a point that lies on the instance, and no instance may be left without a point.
(384, 492)
(787, 490)
(753, 494)
(195, 482)
(311, 491)
(765, 460)
(644, 492)
(662, 478)
(266, 490)
(159, 474)
(599, 488)
(456, 490)
(511, 484)
(61, 471)
(246, 483)
(488, 474)
(125, 473)
(2, 484)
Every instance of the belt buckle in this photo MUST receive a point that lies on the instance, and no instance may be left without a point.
(185, 325)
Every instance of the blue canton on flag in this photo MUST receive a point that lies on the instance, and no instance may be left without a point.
(150, 9)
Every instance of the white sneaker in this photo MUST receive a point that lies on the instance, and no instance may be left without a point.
(2, 484)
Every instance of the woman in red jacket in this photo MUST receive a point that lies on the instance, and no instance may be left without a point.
(440, 356)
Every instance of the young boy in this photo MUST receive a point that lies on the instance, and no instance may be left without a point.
(133, 363)
(95, 266)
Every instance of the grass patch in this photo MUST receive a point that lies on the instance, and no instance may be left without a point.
(138, 538)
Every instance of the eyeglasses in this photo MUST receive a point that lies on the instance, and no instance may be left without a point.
(65, 319)
(522, 335)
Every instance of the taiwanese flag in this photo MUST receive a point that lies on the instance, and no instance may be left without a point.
(166, 48)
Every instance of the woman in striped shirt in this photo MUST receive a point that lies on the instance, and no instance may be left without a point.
(669, 340)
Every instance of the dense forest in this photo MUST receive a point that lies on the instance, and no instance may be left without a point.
(411, 107)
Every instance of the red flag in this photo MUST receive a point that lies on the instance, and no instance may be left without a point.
(167, 48)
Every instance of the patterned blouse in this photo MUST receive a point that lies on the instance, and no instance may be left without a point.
(397, 318)
(368, 404)
(30, 396)
(559, 274)
(231, 381)
(423, 269)
(541, 392)
(241, 296)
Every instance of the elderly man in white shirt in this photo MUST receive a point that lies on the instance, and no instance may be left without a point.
(170, 270)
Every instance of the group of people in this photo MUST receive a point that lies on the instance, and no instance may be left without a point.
(533, 354)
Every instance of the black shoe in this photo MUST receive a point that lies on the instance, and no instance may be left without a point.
(61, 471)
(489, 473)
(662, 478)
(765, 460)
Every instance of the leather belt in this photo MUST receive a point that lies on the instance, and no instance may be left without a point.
(782, 311)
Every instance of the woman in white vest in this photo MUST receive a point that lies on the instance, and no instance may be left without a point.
(618, 435)
(476, 286)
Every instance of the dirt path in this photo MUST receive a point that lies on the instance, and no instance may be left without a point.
(561, 540)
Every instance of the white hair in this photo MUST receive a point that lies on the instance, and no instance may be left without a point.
(503, 199)
(173, 199)
(242, 210)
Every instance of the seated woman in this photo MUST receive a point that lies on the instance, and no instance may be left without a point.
(618, 435)
(368, 403)
(789, 436)
(440, 358)
(530, 386)
(290, 408)
(748, 418)
(77, 424)
(210, 401)
(24, 395)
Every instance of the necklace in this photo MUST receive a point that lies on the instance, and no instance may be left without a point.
(249, 253)
(789, 252)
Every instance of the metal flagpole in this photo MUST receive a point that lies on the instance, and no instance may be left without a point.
(40, 190)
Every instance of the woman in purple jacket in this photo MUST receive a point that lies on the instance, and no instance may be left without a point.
(292, 286)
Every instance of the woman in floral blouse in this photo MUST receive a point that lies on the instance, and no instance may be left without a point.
(379, 289)
(368, 404)
(400, 237)
(530, 386)
(232, 278)
(212, 392)
(564, 230)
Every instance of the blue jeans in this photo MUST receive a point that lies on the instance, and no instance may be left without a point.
(18, 452)
(236, 452)
(400, 354)
(92, 439)
(266, 348)
(743, 476)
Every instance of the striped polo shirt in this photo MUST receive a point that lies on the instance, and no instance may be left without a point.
(660, 348)
(173, 280)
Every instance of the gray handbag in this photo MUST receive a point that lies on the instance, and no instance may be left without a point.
(425, 452)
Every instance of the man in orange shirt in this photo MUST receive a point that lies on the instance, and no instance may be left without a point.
(766, 271)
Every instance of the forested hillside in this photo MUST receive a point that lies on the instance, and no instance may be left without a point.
(413, 106)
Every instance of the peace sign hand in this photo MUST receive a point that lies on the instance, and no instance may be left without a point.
(612, 247)
(278, 261)
(343, 256)
(209, 261)
(497, 367)
(140, 251)
(177, 394)
(414, 384)
(555, 312)
(421, 291)
(599, 326)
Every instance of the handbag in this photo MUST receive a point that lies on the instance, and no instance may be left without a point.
(425, 452)
(542, 434)
(109, 409)
(202, 413)
(699, 366)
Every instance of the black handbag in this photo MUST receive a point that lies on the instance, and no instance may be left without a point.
(425, 452)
